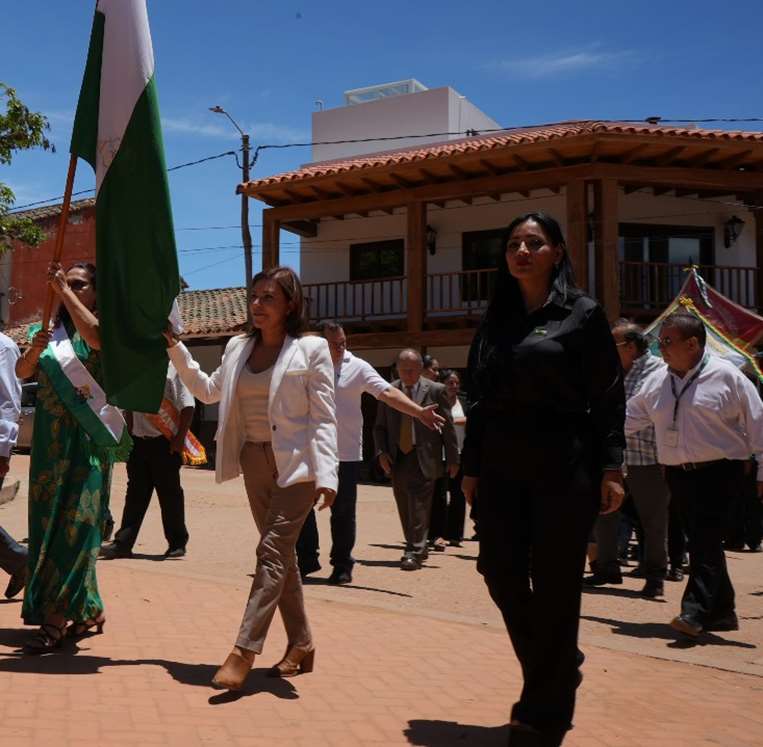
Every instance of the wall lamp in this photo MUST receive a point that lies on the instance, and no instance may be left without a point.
(430, 239)
(732, 230)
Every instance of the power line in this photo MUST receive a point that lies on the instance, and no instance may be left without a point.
(18, 208)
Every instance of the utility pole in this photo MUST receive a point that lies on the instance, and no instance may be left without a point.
(246, 236)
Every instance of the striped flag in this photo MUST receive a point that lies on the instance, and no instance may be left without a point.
(117, 131)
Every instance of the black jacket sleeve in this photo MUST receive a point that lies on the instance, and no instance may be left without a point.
(606, 394)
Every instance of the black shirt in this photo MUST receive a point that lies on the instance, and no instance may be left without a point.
(546, 381)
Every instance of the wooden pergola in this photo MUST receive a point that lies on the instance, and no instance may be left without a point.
(567, 156)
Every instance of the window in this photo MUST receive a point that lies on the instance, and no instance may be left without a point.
(654, 258)
(377, 259)
(480, 250)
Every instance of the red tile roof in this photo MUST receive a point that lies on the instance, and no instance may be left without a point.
(206, 313)
(51, 211)
(498, 140)
(213, 312)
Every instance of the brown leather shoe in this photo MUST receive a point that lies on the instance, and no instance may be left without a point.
(233, 673)
(295, 661)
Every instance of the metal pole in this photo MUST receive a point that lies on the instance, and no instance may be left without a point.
(246, 236)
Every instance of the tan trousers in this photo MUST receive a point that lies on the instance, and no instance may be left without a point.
(279, 514)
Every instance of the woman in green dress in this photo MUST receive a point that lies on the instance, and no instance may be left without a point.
(68, 473)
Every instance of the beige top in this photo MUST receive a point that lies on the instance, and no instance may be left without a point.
(252, 394)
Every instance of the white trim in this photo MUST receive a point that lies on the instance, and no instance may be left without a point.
(82, 380)
(127, 66)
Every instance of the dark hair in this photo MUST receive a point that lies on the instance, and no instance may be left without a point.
(446, 373)
(63, 315)
(690, 325)
(427, 360)
(506, 295)
(330, 325)
(288, 282)
(632, 333)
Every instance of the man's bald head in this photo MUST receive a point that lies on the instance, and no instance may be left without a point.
(409, 366)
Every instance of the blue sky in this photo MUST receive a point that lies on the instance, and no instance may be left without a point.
(267, 62)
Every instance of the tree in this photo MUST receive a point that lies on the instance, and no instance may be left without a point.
(20, 129)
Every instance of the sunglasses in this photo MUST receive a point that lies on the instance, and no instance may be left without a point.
(78, 285)
(533, 245)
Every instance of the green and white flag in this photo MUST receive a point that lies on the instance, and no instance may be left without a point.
(117, 131)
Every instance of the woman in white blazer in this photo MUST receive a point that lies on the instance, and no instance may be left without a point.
(277, 425)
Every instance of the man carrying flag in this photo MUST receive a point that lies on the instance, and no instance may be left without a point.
(117, 131)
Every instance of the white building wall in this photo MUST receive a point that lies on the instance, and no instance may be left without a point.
(436, 110)
(326, 258)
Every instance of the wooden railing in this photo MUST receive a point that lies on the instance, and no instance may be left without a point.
(653, 285)
(357, 301)
(648, 286)
(465, 292)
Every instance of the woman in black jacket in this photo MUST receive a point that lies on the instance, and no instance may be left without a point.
(543, 454)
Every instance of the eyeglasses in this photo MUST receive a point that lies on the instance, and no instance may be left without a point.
(665, 342)
(532, 245)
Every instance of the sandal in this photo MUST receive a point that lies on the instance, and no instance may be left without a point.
(48, 638)
(94, 626)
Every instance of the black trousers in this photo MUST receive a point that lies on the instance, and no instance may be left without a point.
(533, 536)
(746, 512)
(343, 525)
(454, 531)
(153, 467)
(701, 497)
(676, 535)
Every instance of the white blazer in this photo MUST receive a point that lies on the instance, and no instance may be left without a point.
(301, 408)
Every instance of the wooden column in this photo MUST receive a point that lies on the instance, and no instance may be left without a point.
(758, 227)
(577, 229)
(416, 265)
(606, 231)
(271, 239)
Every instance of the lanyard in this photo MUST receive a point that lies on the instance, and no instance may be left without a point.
(678, 395)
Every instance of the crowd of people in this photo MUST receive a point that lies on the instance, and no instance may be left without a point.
(563, 416)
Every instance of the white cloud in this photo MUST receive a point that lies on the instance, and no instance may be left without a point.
(563, 63)
(261, 132)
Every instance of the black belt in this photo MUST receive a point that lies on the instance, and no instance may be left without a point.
(693, 466)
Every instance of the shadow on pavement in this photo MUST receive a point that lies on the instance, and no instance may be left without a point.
(615, 591)
(399, 546)
(665, 632)
(68, 661)
(139, 556)
(313, 581)
(451, 733)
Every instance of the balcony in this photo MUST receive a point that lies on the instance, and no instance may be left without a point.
(646, 288)
(651, 286)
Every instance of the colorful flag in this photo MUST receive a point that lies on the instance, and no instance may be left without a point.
(732, 331)
(117, 131)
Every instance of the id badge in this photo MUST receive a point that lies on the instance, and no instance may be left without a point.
(671, 437)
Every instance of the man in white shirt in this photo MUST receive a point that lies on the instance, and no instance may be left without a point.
(13, 556)
(352, 377)
(708, 420)
(154, 464)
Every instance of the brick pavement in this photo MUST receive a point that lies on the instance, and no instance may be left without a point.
(402, 659)
(382, 678)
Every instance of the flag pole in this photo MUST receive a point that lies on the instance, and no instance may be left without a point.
(59, 247)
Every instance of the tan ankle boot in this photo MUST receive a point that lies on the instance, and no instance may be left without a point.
(295, 661)
(233, 673)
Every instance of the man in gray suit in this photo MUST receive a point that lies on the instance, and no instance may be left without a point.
(412, 454)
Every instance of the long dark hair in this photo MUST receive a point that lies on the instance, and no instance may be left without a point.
(63, 316)
(288, 282)
(506, 295)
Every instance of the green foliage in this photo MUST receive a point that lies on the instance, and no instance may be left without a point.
(20, 129)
